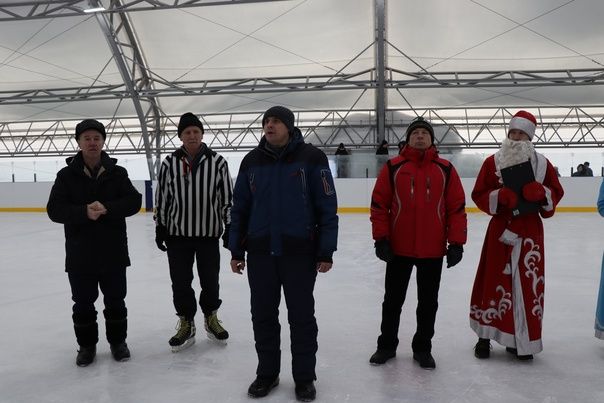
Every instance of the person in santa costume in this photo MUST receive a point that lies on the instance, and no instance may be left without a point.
(599, 325)
(508, 293)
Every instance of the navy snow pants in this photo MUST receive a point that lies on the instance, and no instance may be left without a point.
(297, 275)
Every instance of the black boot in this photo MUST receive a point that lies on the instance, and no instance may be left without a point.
(514, 351)
(425, 359)
(482, 349)
(262, 386)
(120, 351)
(381, 356)
(87, 337)
(85, 356)
(305, 391)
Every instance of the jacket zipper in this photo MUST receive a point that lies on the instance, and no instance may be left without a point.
(428, 188)
(412, 186)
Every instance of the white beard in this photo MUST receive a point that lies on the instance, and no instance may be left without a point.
(512, 153)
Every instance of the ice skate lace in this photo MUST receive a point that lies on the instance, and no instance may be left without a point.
(214, 324)
(183, 329)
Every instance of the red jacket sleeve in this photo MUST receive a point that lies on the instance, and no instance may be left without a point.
(381, 201)
(455, 204)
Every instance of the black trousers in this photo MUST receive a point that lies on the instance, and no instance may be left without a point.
(297, 275)
(398, 273)
(182, 252)
(84, 293)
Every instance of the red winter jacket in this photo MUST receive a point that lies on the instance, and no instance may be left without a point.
(425, 210)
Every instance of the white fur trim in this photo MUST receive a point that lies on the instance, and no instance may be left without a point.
(493, 201)
(539, 167)
(520, 123)
(548, 196)
(509, 238)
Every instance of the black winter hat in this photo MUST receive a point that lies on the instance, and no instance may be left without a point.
(186, 120)
(281, 113)
(90, 124)
(417, 123)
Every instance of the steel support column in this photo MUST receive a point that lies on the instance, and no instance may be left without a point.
(380, 67)
(128, 75)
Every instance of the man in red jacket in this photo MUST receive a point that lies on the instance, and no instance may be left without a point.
(417, 209)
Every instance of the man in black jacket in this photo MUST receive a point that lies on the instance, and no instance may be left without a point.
(92, 196)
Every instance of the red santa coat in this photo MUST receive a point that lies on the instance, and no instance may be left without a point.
(418, 203)
(507, 297)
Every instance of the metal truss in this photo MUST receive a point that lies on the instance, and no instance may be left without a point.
(31, 10)
(361, 80)
(133, 69)
(153, 133)
(456, 129)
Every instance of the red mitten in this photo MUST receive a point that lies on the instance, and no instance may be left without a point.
(533, 191)
(507, 198)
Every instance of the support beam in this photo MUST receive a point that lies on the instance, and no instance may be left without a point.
(380, 69)
(360, 80)
(42, 9)
(128, 75)
(568, 127)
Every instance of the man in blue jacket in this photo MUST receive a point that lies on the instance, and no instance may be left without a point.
(285, 216)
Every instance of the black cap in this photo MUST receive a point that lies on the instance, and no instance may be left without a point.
(186, 120)
(281, 113)
(417, 123)
(90, 124)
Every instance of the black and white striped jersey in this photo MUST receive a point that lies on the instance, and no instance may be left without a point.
(194, 199)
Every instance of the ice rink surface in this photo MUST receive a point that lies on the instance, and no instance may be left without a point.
(38, 348)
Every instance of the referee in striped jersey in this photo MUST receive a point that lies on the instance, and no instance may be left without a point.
(193, 204)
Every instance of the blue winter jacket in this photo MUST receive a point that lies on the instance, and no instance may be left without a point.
(601, 199)
(284, 204)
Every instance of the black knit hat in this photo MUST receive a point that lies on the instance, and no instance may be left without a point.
(186, 120)
(90, 124)
(281, 113)
(417, 123)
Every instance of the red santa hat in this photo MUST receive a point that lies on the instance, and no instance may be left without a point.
(524, 121)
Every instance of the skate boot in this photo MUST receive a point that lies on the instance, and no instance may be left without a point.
(214, 328)
(185, 335)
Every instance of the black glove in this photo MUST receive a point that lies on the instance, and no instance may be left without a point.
(454, 255)
(225, 236)
(383, 250)
(161, 234)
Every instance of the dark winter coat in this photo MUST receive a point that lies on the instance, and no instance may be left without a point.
(284, 204)
(101, 245)
(418, 203)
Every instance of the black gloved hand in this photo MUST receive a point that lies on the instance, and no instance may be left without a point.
(161, 234)
(225, 236)
(454, 254)
(383, 250)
